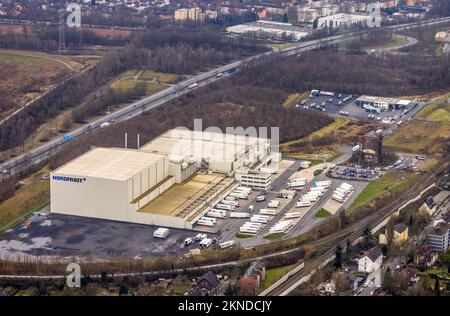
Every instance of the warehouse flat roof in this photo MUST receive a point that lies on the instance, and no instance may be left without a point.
(223, 147)
(109, 163)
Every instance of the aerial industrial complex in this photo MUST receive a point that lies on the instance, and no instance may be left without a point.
(169, 181)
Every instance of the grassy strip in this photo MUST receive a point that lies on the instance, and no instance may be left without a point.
(273, 275)
(322, 213)
(243, 236)
(391, 181)
(274, 236)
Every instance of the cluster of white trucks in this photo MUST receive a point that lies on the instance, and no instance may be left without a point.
(281, 226)
(205, 242)
(313, 194)
(297, 184)
(342, 192)
(228, 204)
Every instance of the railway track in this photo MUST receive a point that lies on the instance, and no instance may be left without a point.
(285, 288)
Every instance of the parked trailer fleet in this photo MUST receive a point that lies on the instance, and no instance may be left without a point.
(281, 226)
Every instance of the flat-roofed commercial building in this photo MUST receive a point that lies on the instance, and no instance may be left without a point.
(273, 29)
(169, 181)
(383, 103)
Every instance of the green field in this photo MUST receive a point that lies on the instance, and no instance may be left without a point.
(391, 181)
(436, 111)
(322, 213)
(154, 81)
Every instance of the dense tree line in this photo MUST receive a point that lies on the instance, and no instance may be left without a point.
(111, 98)
(356, 74)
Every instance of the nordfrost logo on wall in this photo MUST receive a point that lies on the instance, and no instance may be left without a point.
(68, 179)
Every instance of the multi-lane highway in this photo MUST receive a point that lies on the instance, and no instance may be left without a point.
(41, 153)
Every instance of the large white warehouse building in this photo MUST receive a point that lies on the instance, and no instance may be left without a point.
(170, 181)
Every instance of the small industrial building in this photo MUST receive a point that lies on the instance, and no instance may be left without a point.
(271, 29)
(343, 21)
(169, 181)
(383, 103)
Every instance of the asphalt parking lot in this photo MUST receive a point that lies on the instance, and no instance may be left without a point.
(354, 173)
(336, 106)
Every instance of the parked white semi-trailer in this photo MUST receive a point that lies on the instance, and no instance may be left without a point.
(210, 219)
(292, 215)
(339, 195)
(216, 214)
(273, 204)
(205, 243)
(227, 244)
(225, 207)
(239, 215)
(346, 186)
(244, 189)
(248, 230)
(309, 198)
(239, 195)
(227, 202)
(161, 233)
(265, 211)
(202, 222)
(303, 204)
(252, 224)
(338, 198)
(341, 191)
(259, 219)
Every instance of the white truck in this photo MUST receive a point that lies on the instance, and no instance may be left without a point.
(265, 211)
(259, 219)
(273, 204)
(188, 241)
(225, 207)
(337, 198)
(227, 244)
(303, 204)
(248, 230)
(205, 243)
(216, 214)
(239, 215)
(260, 198)
(210, 219)
(161, 233)
(227, 202)
(193, 85)
(202, 222)
(292, 215)
(200, 237)
(251, 208)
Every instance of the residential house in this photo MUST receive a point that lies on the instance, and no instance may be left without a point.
(252, 278)
(425, 257)
(371, 260)
(207, 284)
(429, 207)
(400, 235)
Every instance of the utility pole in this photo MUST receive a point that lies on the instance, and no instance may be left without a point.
(61, 30)
(126, 140)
